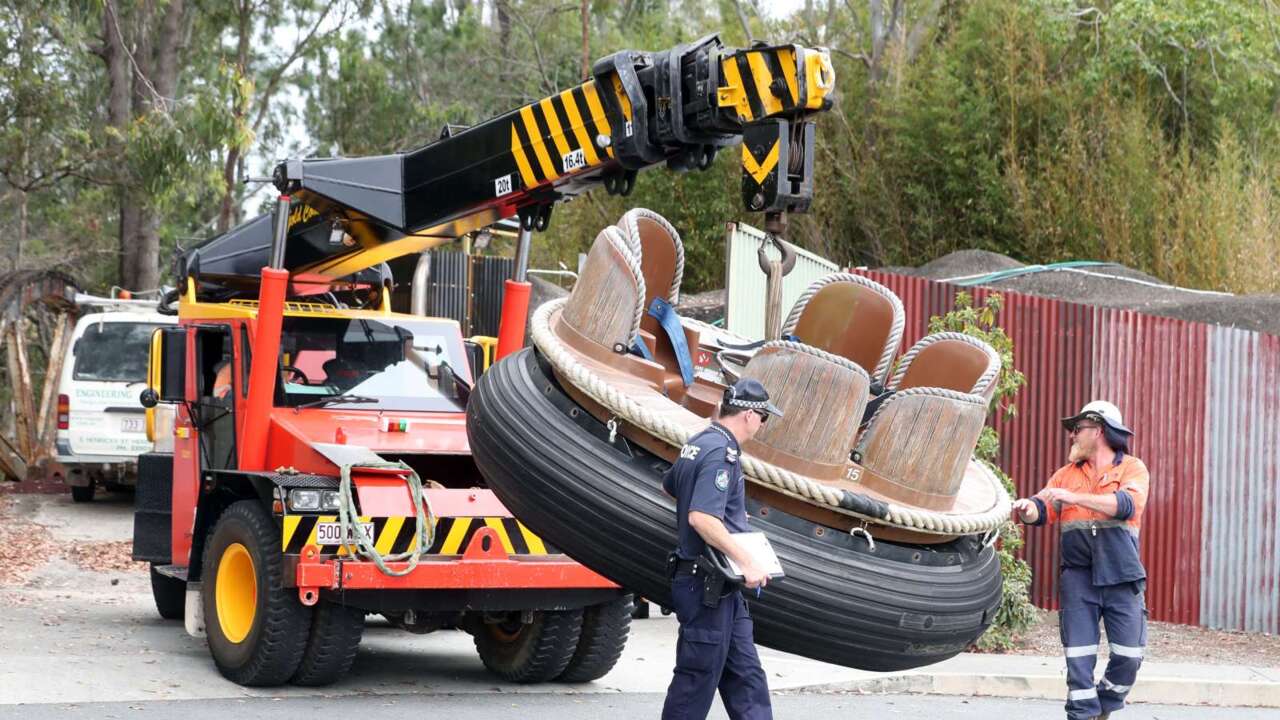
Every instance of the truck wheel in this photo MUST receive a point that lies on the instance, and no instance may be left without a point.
(257, 628)
(83, 493)
(604, 634)
(531, 653)
(170, 595)
(331, 648)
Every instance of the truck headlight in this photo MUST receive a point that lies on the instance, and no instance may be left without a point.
(329, 499)
(300, 499)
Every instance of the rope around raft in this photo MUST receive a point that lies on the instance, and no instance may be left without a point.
(850, 503)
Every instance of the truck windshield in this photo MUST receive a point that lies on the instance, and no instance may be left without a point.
(113, 352)
(379, 364)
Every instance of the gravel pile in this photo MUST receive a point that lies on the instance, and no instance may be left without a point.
(1123, 288)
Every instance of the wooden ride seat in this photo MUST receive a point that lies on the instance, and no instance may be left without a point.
(850, 316)
(920, 440)
(657, 244)
(605, 305)
(821, 397)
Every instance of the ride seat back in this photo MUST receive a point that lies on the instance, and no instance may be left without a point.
(954, 361)
(607, 300)
(850, 316)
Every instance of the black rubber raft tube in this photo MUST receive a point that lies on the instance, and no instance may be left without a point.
(551, 463)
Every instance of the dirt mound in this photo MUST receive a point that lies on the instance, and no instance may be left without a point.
(1109, 285)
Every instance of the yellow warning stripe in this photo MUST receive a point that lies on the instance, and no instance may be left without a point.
(621, 92)
(763, 80)
(290, 527)
(535, 138)
(734, 93)
(453, 541)
(522, 160)
(384, 542)
(579, 127)
(498, 527)
(536, 546)
(553, 124)
(759, 170)
(597, 112)
(787, 59)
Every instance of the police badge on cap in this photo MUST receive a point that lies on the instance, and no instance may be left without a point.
(749, 394)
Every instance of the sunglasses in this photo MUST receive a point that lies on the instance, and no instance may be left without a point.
(1082, 426)
(764, 416)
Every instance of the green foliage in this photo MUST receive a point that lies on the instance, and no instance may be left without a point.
(1047, 130)
(1016, 613)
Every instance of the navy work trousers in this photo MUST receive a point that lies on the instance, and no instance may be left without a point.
(716, 651)
(1123, 609)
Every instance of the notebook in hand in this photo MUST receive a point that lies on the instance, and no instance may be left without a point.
(756, 544)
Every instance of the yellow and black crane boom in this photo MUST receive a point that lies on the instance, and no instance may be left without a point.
(637, 110)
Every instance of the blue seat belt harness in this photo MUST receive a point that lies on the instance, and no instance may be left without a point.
(666, 316)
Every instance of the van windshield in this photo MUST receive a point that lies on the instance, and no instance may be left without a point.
(372, 364)
(113, 352)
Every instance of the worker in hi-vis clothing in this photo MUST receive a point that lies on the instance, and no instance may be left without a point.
(1097, 500)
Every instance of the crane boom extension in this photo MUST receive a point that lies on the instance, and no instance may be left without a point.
(677, 107)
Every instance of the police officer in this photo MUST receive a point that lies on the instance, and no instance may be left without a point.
(716, 648)
(1097, 500)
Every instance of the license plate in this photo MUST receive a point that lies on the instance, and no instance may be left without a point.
(330, 533)
(133, 425)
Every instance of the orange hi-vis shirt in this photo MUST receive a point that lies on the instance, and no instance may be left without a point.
(1106, 544)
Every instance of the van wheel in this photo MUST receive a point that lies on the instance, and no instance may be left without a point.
(256, 626)
(531, 653)
(83, 493)
(170, 595)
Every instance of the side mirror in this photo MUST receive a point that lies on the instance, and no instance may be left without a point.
(475, 357)
(149, 398)
(169, 349)
(448, 382)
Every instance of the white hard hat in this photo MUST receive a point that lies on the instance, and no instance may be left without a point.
(1100, 411)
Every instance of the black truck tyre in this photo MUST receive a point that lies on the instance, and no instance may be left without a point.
(257, 628)
(604, 636)
(169, 593)
(532, 653)
(331, 647)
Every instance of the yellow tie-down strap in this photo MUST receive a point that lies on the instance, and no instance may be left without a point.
(398, 534)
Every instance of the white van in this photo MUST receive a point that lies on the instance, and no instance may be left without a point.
(102, 428)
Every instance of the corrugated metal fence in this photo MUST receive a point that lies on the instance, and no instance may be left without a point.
(1204, 402)
(468, 288)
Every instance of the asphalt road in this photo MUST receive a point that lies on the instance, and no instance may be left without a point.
(497, 706)
(80, 643)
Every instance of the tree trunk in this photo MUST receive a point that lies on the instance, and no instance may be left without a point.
(586, 40)
(227, 211)
(119, 79)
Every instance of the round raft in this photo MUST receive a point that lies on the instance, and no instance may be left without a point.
(881, 518)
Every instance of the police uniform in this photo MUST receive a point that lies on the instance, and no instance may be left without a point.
(1102, 576)
(716, 648)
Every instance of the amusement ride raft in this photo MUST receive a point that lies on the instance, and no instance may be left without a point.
(883, 519)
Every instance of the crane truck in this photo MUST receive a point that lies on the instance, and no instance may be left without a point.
(312, 464)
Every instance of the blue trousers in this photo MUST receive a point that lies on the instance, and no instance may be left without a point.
(1123, 609)
(716, 651)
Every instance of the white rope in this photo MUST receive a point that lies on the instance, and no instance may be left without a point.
(631, 226)
(624, 407)
(895, 330)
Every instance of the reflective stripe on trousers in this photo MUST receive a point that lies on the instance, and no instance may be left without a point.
(1122, 608)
